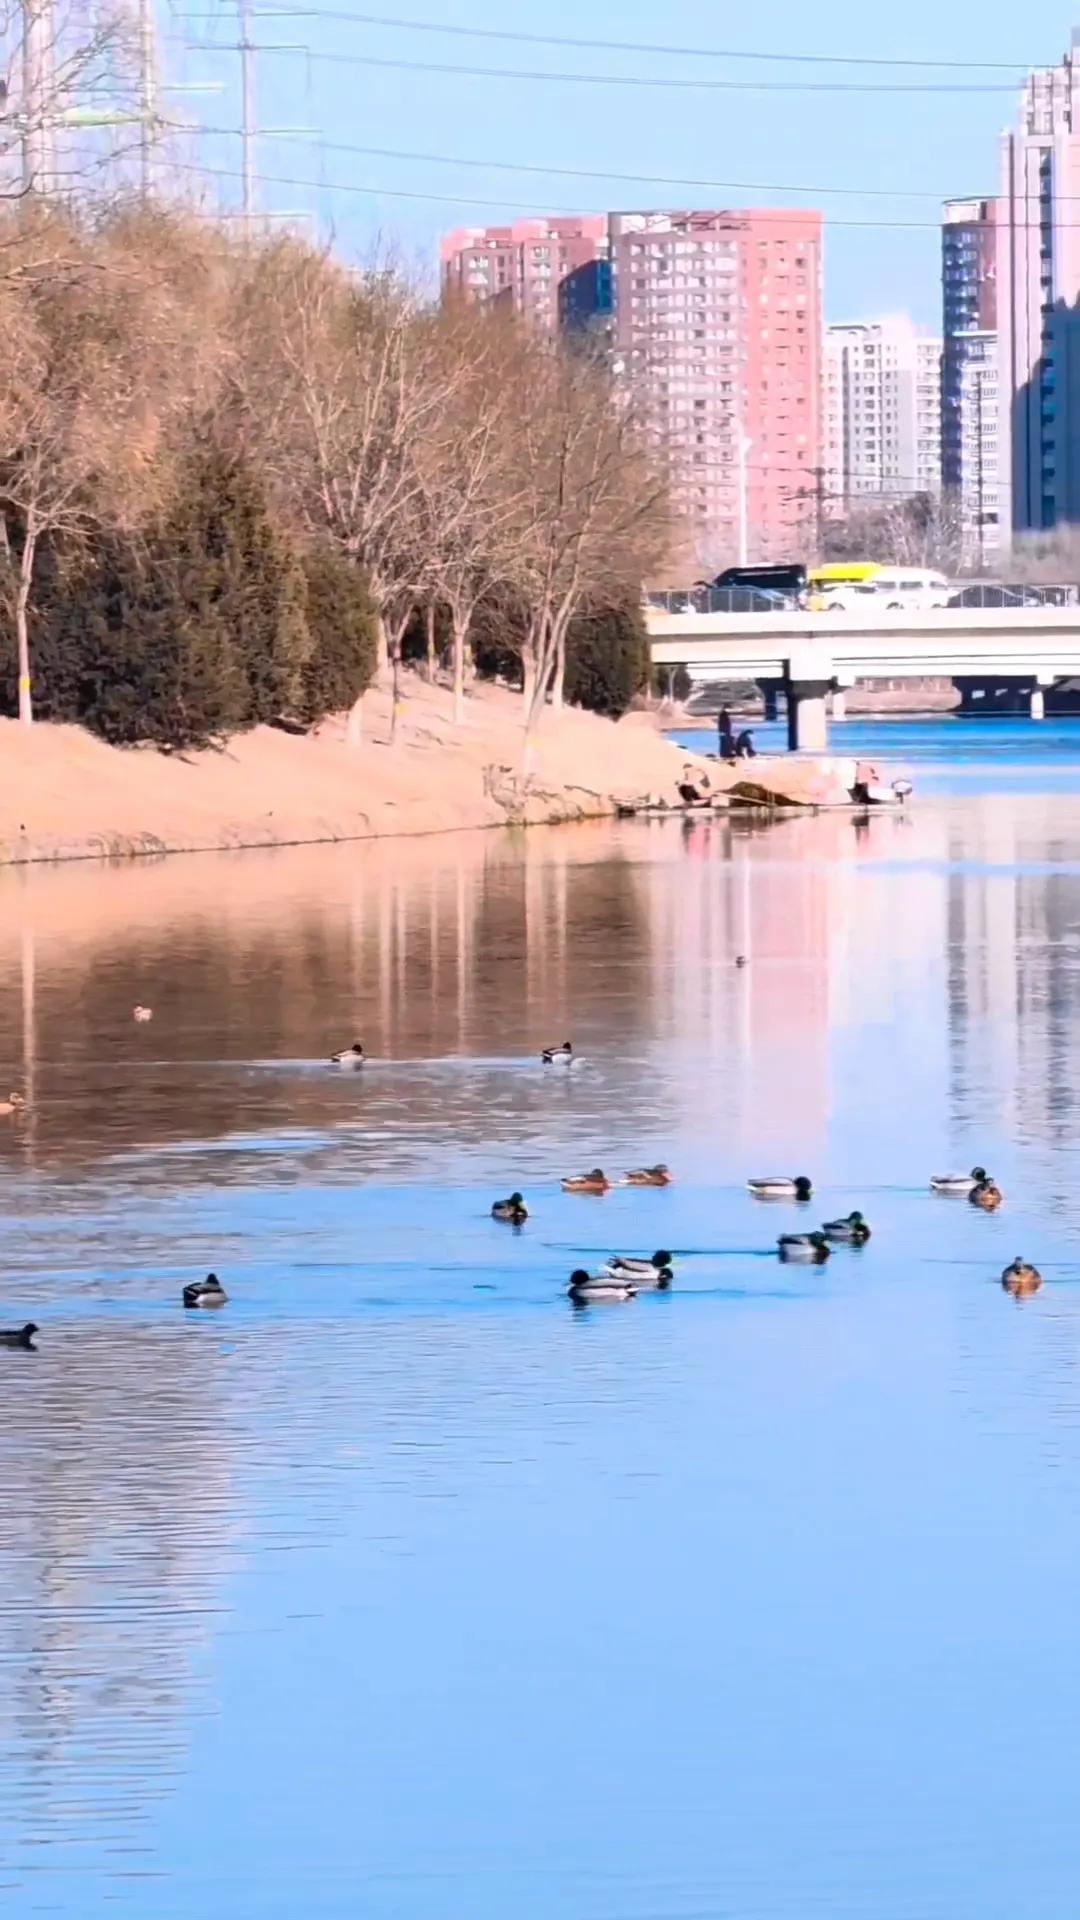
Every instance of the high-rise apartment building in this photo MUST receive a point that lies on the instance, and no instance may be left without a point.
(1038, 288)
(717, 324)
(969, 372)
(883, 392)
(522, 264)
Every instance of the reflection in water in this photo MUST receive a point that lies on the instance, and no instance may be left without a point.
(399, 1547)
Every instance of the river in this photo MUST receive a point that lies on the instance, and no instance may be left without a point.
(401, 1588)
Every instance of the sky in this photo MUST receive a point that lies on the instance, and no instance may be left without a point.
(877, 162)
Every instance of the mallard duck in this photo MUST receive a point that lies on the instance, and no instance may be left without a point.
(598, 1286)
(986, 1194)
(1021, 1278)
(19, 1337)
(853, 1231)
(957, 1182)
(811, 1247)
(562, 1055)
(513, 1210)
(782, 1187)
(349, 1056)
(205, 1293)
(657, 1272)
(14, 1103)
(142, 1013)
(594, 1182)
(658, 1176)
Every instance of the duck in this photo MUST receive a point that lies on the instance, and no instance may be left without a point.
(513, 1210)
(658, 1176)
(14, 1103)
(563, 1054)
(853, 1231)
(597, 1286)
(594, 1182)
(205, 1293)
(740, 959)
(657, 1272)
(19, 1337)
(957, 1182)
(777, 1186)
(810, 1247)
(1021, 1278)
(986, 1194)
(142, 1014)
(348, 1056)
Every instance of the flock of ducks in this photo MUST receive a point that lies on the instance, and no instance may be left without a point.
(625, 1275)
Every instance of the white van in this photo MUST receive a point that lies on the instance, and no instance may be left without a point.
(917, 588)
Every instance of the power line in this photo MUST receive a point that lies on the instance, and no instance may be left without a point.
(628, 179)
(697, 83)
(544, 207)
(633, 46)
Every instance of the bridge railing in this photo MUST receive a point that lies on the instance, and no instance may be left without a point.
(978, 594)
(722, 600)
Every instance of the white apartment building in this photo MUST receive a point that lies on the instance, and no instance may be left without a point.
(980, 526)
(883, 389)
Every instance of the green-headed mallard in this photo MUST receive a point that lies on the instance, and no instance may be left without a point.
(349, 1056)
(513, 1209)
(658, 1176)
(205, 1293)
(1021, 1278)
(853, 1231)
(598, 1286)
(19, 1337)
(782, 1186)
(987, 1195)
(657, 1272)
(957, 1182)
(594, 1182)
(812, 1248)
(558, 1056)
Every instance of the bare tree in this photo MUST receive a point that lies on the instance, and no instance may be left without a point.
(906, 530)
(597, 509)
(92, 381)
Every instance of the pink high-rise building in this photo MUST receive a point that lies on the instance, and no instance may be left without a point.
(717, 322)
(522, 264)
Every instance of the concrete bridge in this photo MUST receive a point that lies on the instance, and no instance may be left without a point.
(813, 654)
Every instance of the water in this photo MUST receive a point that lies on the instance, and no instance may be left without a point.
(400, 1587)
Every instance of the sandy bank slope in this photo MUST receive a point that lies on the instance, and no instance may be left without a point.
(64, 794)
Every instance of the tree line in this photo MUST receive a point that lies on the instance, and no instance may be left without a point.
(237, 478)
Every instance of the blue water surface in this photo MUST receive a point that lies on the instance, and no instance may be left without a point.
(401, 1587)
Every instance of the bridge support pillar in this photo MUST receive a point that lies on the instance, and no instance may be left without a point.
(839, 704)
(807, 725)
(1038, 704)
(770, 694)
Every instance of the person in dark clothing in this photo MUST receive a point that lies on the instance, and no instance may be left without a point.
(744, 746)
(725, 743)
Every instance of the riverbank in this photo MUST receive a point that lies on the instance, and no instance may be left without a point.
(65, 795)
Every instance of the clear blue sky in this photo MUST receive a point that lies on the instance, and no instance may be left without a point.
(933, 144)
